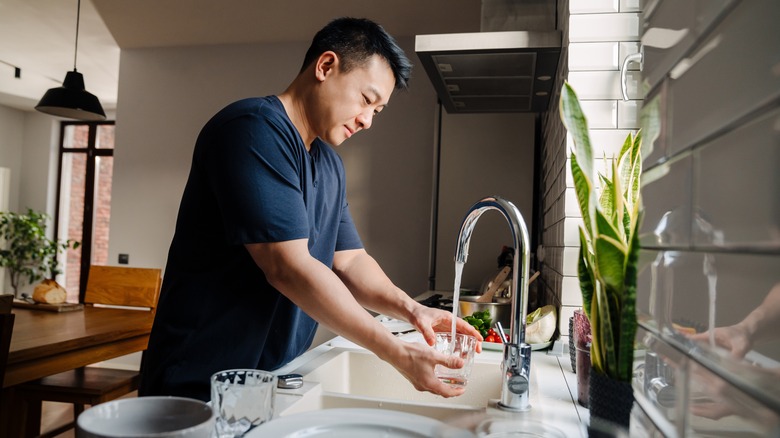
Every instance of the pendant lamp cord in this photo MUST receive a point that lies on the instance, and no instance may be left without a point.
(78, 17)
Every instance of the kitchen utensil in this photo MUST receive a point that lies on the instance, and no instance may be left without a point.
(494, 285)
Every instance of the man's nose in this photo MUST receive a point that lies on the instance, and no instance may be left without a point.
(365, 119)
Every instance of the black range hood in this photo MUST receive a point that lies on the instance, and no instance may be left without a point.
(496, 71)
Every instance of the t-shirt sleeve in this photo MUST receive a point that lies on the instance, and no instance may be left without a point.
(348, 236)
(253, 170)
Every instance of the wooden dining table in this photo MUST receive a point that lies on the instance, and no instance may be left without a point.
(46, 343)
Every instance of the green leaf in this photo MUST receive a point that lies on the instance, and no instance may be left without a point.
(584, 190)
(607, 197)
(575, 122)
(596, 346)
(606, 227)
(610, 261)
(620, 203)
(628, 322)
(585, 274)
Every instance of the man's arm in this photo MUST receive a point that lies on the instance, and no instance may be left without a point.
(313, 287)
(374, 290)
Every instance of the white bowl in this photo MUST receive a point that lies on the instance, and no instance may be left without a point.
(147, 417)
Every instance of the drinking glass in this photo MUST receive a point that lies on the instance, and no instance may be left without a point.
(463, 347)
(242, 399)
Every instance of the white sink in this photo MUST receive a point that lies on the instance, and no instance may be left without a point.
(357, 379)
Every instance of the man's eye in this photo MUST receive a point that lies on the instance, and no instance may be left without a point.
(367, 100)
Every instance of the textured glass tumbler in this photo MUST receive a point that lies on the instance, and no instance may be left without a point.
(242, 399)
(463, 347)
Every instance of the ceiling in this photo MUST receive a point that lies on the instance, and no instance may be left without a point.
(38, 36)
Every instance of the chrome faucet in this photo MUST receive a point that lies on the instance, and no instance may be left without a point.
(516, 364)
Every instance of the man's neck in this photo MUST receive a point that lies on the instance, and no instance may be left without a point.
(293, 102)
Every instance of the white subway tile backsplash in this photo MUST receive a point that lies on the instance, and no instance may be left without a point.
(662, 375)
(600, 113)
(630, 5)
(593, 56)
(666, 195)
(566, 313)
(604, 27)
(572, 209)
(730, 74)
(709, 396)
(570, 292)
(570, 257)
(604, 141)
(592, 6)
(724, 204)
(653, 116)
(595, 85)
(625, 49)
(628, 114)
(571, 233)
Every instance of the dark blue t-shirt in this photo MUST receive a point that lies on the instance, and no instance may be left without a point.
(252, 181)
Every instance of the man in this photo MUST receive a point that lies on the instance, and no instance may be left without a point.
(264, 239)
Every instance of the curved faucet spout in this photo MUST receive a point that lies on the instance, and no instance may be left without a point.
(517, 354)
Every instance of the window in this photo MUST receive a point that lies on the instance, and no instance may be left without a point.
(84, 199)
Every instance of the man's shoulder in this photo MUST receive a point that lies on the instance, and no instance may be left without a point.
(268, 106)
(257, 111)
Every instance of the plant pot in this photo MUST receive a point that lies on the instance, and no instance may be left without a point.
(582, 337)
(610, 401)
(572, 351)
(583, 376)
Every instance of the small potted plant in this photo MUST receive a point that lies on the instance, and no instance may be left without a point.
(27, 252)
(607, 265)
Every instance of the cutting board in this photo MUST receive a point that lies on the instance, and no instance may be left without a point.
(64, 307)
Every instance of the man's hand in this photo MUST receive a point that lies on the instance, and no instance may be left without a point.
(418, 362)
(428, 321)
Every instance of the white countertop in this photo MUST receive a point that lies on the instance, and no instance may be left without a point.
(553, 386)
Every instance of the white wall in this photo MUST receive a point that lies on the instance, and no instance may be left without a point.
(167, 94)
(11, 141)
(482, 155)
(28, 147)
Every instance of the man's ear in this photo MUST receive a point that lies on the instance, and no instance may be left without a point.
(325, 65)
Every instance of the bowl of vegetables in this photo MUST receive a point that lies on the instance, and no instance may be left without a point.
(483, 316)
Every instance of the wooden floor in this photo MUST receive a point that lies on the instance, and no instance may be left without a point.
(55, 414)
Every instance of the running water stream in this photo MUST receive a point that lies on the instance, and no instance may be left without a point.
(455, 300)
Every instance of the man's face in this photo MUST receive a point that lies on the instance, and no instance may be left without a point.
(348, 102)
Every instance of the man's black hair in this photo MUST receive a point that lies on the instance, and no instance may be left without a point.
(355, 41)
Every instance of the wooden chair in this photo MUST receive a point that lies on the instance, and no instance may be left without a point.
(106, 285)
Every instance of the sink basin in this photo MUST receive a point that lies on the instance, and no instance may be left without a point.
(342, 378)
(359, 379)
(364, 374)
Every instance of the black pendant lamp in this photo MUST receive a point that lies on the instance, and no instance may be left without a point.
(72, 100)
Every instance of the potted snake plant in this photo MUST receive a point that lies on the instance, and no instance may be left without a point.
(607, 263)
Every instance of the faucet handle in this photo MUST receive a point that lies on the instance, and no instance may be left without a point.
(501, 332)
